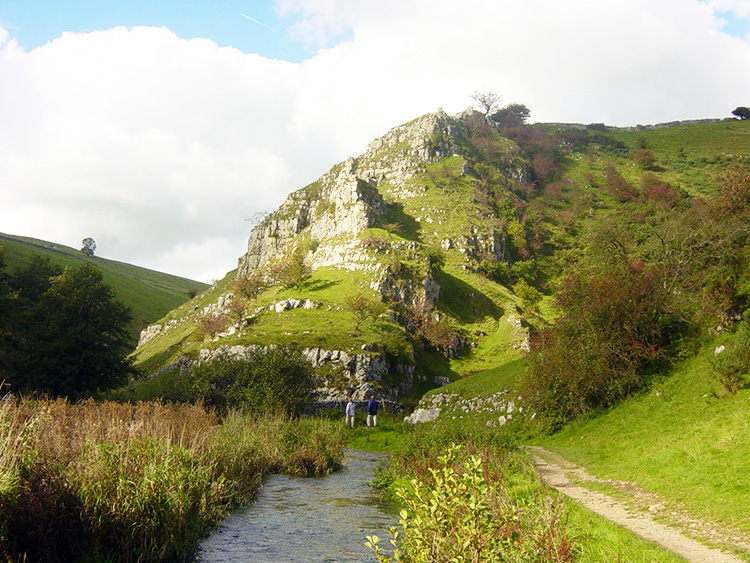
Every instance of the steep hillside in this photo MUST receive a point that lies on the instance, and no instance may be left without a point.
(149, 294)
(398, 225)
(434, 254)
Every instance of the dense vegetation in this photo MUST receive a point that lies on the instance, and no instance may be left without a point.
(639, 268)
(272, 380)
(62, 331)
(117, 482)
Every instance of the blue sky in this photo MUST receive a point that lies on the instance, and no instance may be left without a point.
(252, 26)
(138, 132)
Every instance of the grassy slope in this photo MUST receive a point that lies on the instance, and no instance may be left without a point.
(681, 439)
(148, 294)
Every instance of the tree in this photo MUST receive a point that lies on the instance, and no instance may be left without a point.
(512, 115)
(734, 188)
(487, 99)
(293, 272)
(363, 308)
(89, 246)
(742, 112)
(252, 285)
(211, 324)
(33, 280)
(78, 340)
(612, 327)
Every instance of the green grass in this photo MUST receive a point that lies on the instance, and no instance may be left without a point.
(149, 294)
(681, 439)
(414, 448)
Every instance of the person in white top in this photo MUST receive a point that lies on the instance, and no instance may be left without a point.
(349, 412)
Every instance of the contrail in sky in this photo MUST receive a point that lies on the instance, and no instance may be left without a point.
(256, 21)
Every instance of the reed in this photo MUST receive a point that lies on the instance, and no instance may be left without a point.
(118, 482)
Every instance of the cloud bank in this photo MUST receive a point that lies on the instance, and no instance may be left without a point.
(160, 148)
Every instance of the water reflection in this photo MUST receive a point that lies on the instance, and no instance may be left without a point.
(306, 520)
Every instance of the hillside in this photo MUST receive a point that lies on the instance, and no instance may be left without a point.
(460, 227)
(149, 294)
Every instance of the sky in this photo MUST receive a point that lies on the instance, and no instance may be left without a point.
(163, 129)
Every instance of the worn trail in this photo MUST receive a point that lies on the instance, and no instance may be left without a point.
(567, 477)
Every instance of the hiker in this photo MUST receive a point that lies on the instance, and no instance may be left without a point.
(372, 411)
(349, 412)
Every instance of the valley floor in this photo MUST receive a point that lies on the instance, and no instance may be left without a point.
(638, 510)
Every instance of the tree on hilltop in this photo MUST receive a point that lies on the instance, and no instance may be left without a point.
(512, 115)
(742, 112)
(88, 246)
(487, 99)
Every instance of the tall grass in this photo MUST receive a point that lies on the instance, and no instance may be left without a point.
(116, 482)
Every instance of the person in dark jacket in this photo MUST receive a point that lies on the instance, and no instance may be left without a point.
(372, 411)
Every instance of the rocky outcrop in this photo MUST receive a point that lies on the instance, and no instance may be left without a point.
(334, 210)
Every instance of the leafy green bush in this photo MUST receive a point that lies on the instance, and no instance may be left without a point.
(274, 379)
(462, 512)
(732, 366)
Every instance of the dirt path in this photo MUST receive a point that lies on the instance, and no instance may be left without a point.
(566, 477)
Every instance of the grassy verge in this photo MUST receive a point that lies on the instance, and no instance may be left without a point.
(116, 482)
(682, 439)
(572, 533)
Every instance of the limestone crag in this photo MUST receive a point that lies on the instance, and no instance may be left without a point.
(154, 330)
(346, 200)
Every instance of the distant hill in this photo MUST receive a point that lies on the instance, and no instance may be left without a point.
(149, 294)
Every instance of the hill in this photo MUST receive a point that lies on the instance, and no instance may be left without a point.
(437, 253)
(149, 294)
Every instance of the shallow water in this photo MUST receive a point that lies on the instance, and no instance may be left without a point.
(306, 519)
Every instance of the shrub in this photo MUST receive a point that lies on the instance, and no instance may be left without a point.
(272, 380)
(528, 294)
(732, 366)
(645, 158)
(461, 511)
(613, 325)
(620, 189)
(210, 324)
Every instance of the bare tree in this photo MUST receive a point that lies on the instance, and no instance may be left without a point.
(487, 100)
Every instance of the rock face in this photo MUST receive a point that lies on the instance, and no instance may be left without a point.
(345, 201)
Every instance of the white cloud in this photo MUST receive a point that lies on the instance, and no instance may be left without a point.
(159, 148)
(740, 8)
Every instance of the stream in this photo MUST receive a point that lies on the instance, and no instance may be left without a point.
(306, 519)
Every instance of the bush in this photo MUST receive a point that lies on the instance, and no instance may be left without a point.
(732, 366)
(461, 511)
(271, 380)
(613, 326)
(645, 158)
